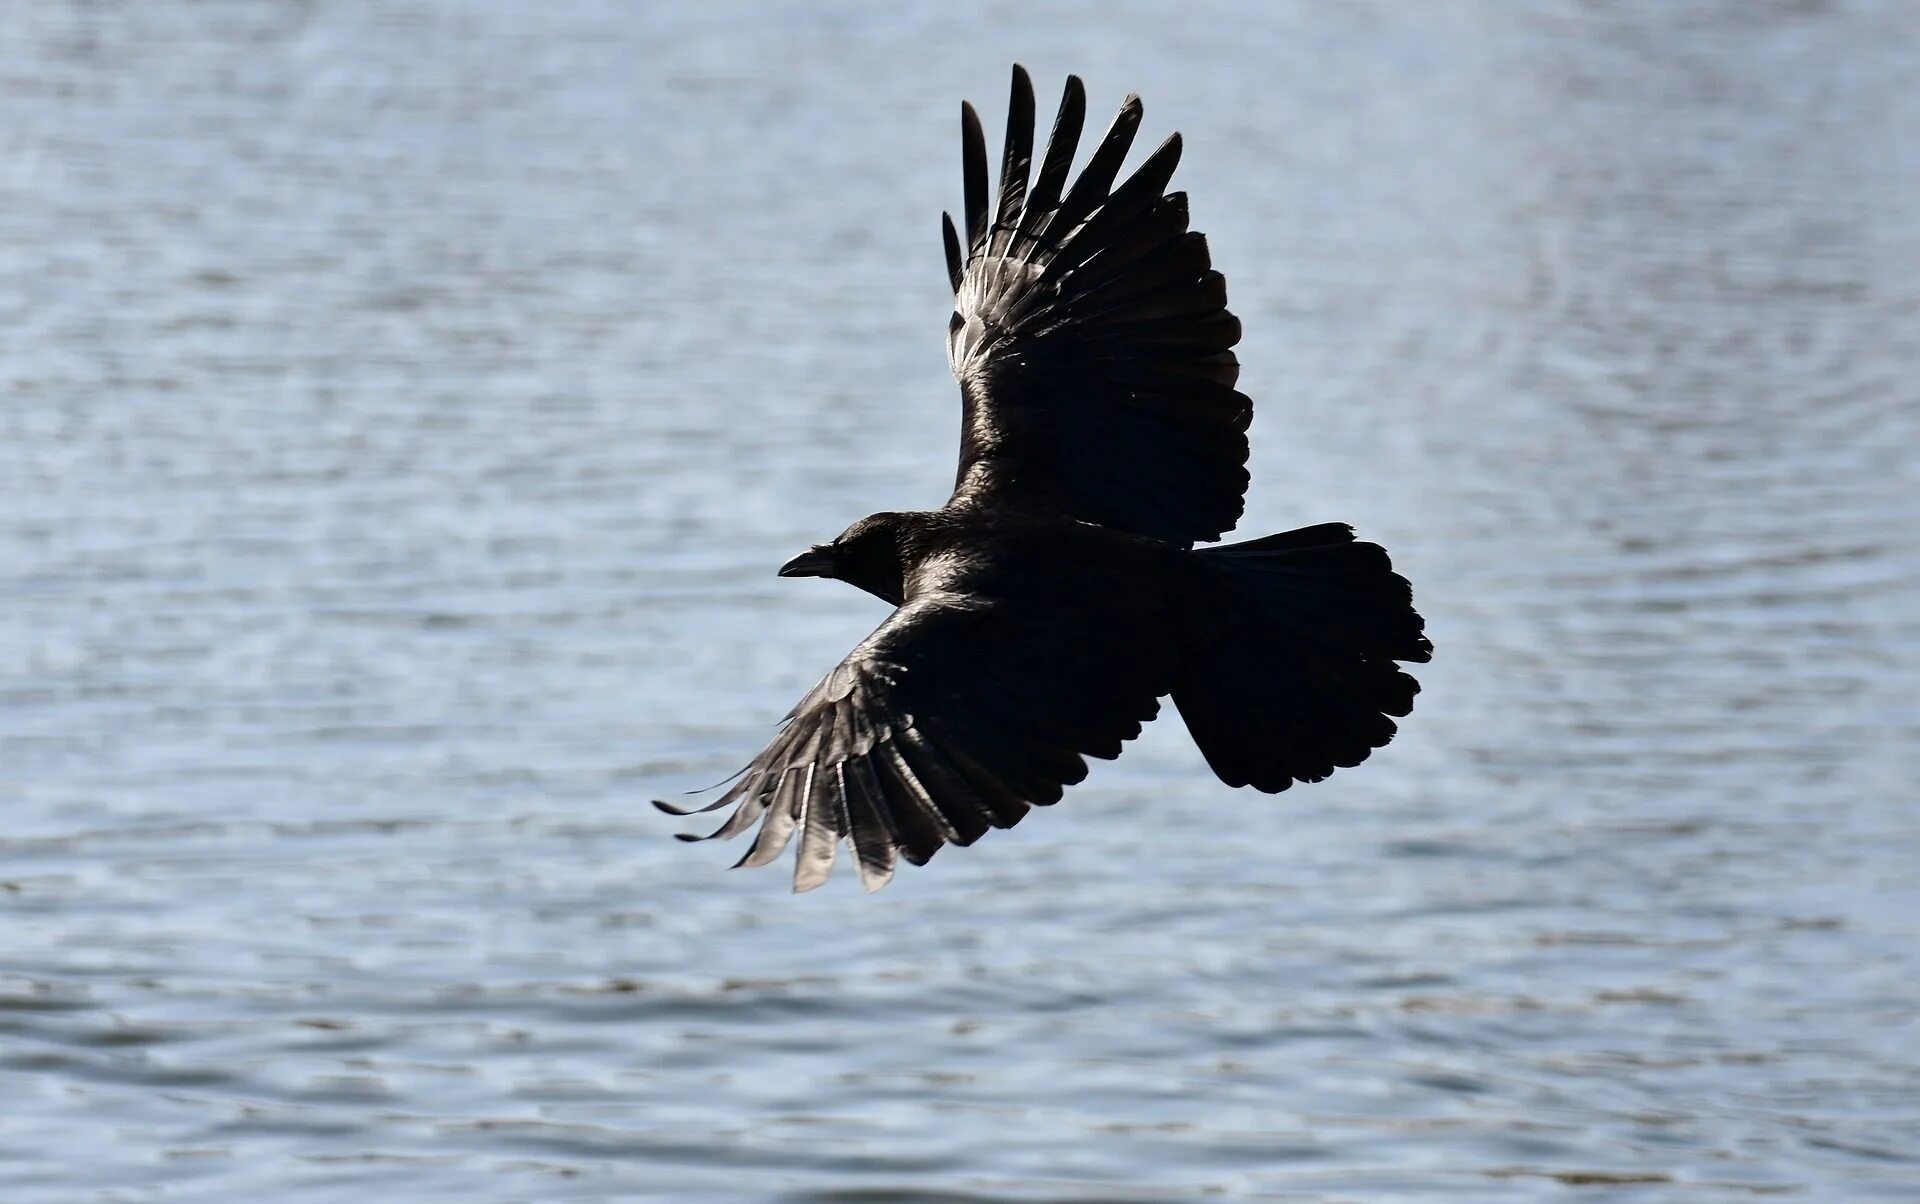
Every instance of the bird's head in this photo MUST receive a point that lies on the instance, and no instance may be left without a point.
(869, 554)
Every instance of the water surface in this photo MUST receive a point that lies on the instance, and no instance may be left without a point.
(404, 405)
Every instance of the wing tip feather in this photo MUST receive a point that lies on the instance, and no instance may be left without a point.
(950, 242)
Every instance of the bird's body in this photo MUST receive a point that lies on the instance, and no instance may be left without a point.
(1007, 554)
(1042, 613)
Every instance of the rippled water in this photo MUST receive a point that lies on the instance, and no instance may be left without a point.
(405, 405)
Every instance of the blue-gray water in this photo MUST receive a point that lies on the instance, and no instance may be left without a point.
(403, 406)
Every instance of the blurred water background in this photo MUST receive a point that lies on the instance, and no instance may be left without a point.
(403, 407)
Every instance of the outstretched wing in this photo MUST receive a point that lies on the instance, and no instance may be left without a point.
(1091, 337)
(953, 717)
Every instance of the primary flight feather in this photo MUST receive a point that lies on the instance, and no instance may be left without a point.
(1043, 612)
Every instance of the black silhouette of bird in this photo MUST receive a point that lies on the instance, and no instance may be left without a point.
(1043, 612)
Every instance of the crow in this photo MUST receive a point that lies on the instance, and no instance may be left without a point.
(1042, 613)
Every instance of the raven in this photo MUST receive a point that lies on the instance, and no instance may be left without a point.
(1043, 612)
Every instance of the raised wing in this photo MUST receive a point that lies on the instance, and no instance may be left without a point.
(953, 717)
(1091, 337)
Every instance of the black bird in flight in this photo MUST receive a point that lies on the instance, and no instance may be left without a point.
(1047, 607)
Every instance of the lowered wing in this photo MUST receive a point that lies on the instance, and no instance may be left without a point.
(1091, 337)
(955, 716)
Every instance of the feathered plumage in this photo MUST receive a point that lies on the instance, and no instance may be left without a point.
(1047, 607)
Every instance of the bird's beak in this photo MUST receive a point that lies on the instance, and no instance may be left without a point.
(814, 562)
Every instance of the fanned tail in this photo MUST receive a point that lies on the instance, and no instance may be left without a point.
(1290, 644)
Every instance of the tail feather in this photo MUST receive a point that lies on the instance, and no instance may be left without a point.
(1290, 645)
